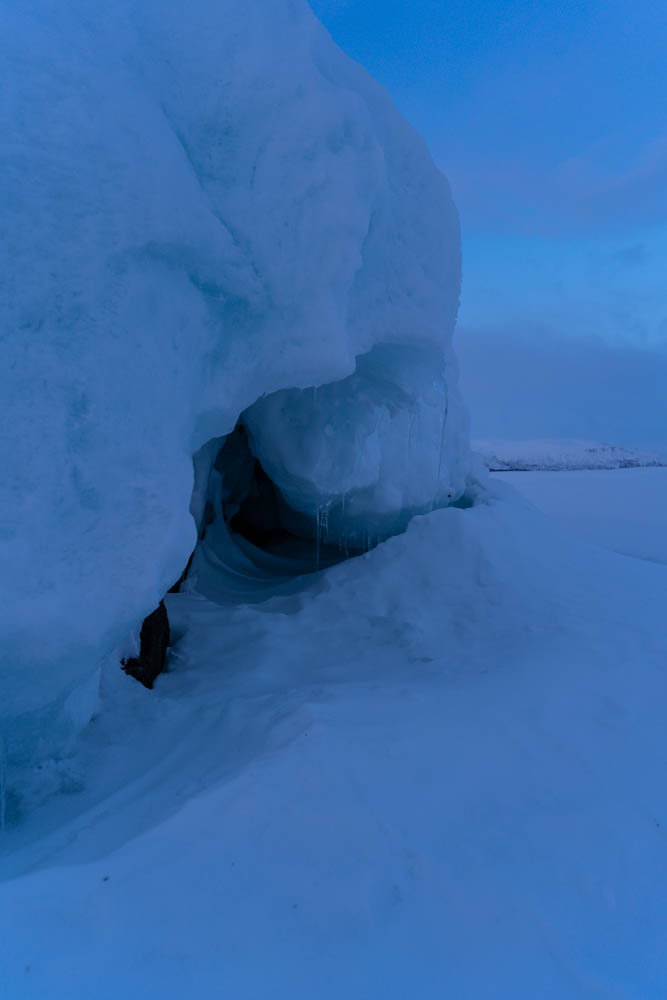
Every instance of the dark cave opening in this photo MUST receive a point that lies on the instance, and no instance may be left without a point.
(257, 515)
(246, 532)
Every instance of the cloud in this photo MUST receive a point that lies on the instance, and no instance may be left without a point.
(631, 256)
(590, 189)
(531, 383)
(595, 191)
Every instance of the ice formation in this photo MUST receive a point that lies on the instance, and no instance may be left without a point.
(207, 211)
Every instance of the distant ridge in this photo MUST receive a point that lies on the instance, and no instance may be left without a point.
(553, 455)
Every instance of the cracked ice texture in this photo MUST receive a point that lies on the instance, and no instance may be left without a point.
(201, 204)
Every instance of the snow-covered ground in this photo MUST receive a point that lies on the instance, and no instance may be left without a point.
(560, 454)
(622, 509)
(436, 770)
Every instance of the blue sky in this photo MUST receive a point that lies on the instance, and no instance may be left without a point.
(550, 120)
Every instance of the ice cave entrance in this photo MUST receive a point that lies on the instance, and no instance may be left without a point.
(311, 476)
(251, 544)
(248, 529)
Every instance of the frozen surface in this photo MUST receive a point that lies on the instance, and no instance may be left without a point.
(623, 509)
(555, 454)
(201, 205)
(433, 771)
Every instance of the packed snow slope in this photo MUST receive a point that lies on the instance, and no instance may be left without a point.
(201, 205)
(435, 771)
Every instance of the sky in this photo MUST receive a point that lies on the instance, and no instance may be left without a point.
(550, 121)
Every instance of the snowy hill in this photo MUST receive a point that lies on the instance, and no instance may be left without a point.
(557, 454)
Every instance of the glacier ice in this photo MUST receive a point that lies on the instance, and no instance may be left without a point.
(207, 211)
(368, 451)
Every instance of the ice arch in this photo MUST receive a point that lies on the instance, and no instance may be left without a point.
(369, 451)
(202, 207)
(311, 476)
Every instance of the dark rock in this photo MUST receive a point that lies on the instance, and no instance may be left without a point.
(153, 648)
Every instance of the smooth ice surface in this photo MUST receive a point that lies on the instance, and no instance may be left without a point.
(437, 770)
(621, 509)
(201, 205)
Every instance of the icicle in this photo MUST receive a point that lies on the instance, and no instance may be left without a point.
(343, 540)
(443, 428)
(3, 783)
(412, 417)
(343, 533)
(321, 529)
(325, 520)
(443, 422)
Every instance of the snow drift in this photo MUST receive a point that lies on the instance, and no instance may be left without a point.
(437, 772)
(203, 206)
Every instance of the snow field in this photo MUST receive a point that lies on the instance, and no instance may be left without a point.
(436, 770)
(621, 509)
